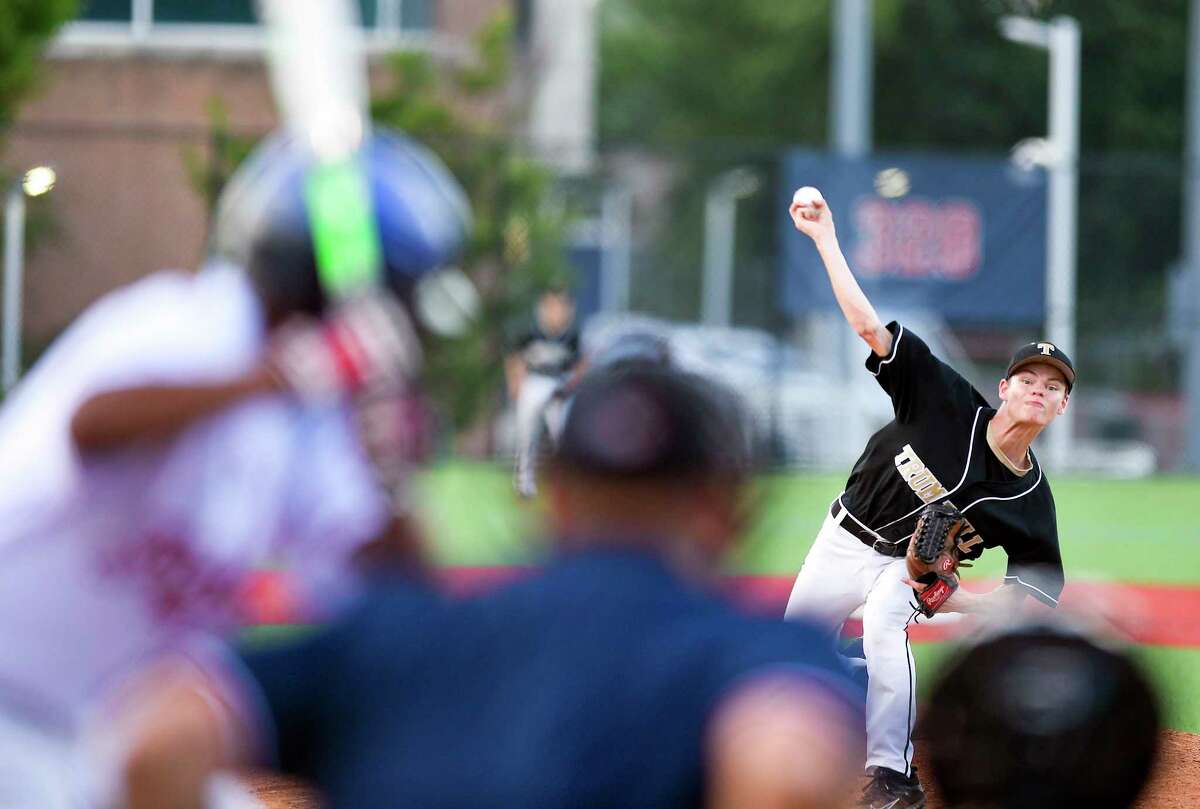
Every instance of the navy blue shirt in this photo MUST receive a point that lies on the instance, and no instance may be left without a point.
(588, 684)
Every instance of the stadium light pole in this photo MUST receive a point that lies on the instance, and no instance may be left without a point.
(1060, 37)
(37, 181)
(1189, 307)
(720, 229)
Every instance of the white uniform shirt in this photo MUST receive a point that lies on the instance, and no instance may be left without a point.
(107, 560)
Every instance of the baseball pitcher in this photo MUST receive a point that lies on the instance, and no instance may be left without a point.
(948, 477)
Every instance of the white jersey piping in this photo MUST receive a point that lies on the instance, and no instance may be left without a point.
(961, 480)
(1023, 583)
(1013, 497)
(892, 354)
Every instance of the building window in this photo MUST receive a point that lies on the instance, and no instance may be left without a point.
(107, 10)
(220, 12)
(406, 15)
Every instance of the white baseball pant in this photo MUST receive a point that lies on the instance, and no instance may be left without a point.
(536, 392)
(839, 575)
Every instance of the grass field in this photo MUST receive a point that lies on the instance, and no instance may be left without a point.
(1136, 531)
(1130, 531)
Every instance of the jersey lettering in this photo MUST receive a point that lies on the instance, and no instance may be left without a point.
(967, 537)
(918, 476)
(971, 539)
(178, 585)
(927, 487)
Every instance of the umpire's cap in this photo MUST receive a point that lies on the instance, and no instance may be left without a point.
(648, 421)
(1042, 718)
(1048, 353)
(262, 220)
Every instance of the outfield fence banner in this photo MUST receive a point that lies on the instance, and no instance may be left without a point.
(964, 237)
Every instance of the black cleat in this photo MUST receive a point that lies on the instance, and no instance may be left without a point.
(889, 789)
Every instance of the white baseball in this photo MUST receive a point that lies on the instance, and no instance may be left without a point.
(805, 198)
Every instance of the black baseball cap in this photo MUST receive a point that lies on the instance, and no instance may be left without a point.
(652, 422)
(1048, 353)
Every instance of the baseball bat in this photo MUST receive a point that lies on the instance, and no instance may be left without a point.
(318, 70)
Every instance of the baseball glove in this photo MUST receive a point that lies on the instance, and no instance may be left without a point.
(933, 556)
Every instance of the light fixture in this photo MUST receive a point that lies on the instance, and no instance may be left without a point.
(39, 180)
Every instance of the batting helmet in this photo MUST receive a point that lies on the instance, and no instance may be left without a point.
(1042, 718)
(262, 221)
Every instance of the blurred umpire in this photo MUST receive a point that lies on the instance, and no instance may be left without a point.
(616, 676)
(945, 441)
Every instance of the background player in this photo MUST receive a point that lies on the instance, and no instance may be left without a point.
(615, 677)
(1041, 717)
(546, 355)
(186, 430)
(944, 444)
(629, 348)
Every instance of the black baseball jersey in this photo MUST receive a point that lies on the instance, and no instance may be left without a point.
(549, 354)
(936, 449)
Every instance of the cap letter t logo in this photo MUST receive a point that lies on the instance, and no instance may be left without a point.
(1045, 348)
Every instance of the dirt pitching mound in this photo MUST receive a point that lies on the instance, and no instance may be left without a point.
(1175, 785)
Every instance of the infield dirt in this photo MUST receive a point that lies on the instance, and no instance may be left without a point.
(1176, 782)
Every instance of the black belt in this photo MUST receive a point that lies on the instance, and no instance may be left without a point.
(840, 515)
(554, 371)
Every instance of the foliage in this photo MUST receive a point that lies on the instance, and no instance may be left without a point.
(944, 76)
(209, 170)
(517, 243)
(687, 70)
(970, 88)
(25, 28)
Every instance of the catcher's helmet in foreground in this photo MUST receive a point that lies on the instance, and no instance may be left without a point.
(1041, 718)
(262, 221)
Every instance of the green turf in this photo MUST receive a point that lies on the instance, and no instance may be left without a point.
(474, 518)
(1175, 671)
(1138, 531)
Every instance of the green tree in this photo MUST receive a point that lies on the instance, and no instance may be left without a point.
(517, 246)
(944, 75)
(698, 70)
(208, 169)
(25, 28)
(709, 85)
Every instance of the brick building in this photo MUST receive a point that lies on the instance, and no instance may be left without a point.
(126, 93)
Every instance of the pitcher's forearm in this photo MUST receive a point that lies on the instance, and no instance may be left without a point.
(855, 306)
